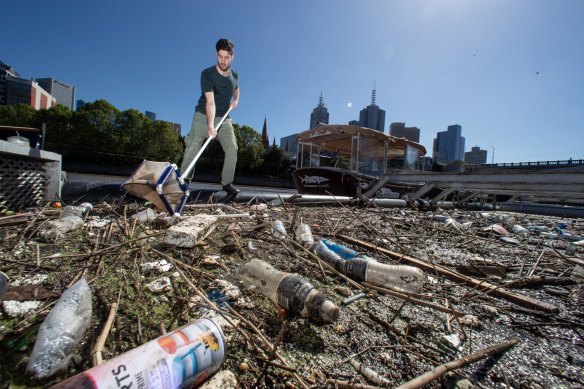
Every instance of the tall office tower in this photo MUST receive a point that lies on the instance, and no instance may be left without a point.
(449, 145)
(401, 131)
(372, 116)
(150, 115)
(80, 103)
(63, 93)
(475, 156)
(6, 72)
(265, 139)
(319, 114)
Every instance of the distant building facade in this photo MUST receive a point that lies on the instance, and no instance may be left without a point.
(401, 131)
(372, 116)
(177, 129)
(150, 115)
(63, 93)
(319, 114)
(289, 145)
(475, 156)
(449, 145)
(80, 103)
(21, 91)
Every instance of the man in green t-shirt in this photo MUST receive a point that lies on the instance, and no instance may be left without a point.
(219, 91)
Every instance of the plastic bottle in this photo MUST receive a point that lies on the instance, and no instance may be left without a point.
(76, 210)
(180, 359)
(304, 235)
(343, 251)
(291, 291)
(61, 331)
(71, 218)
(329, 256)
(3, 285)
(278, 230)
(401, 277)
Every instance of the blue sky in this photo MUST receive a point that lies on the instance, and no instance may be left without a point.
(510, 72)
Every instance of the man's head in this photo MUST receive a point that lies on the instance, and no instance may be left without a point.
(224, 53)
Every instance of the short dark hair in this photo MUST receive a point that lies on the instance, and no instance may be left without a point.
(224, 44)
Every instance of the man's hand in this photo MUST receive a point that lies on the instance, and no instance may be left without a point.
(212, 132)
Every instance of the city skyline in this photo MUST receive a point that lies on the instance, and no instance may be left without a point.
(486, 65)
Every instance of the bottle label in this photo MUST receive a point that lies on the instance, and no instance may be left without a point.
(356, 269)
(292, 292)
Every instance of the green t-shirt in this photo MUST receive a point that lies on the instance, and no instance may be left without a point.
(221, 86)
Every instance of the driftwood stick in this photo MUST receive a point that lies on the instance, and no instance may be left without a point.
(98, 348)
(439, 371)
(537, 281)
(348, 385)
(455, 276)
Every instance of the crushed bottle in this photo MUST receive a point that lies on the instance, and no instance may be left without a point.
(71, 218)
(183, 358)
(329, 256)
(61, 332)
(304, 235)
(291, 291)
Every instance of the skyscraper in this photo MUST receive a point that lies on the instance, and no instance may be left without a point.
(449, 145)
(150, 115)
(401, 131)
(372, 116)
(319, 114)
(63, 93)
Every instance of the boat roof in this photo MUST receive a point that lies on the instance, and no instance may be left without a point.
(337, 138)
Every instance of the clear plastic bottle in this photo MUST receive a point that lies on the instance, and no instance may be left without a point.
(401, 277)
(76, 210)
(304, 235)
(278, 230)
(291, 291)
(329, 256)
(3, 285)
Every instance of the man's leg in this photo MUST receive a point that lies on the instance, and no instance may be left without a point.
(194, 141)
(226, 136)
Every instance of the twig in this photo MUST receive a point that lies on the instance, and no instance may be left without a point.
(97, 350)
(439, 371)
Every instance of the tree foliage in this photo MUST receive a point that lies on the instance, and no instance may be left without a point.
(99, 131)
(250, 148)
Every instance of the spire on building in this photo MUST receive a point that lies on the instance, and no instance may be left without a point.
(274, 142)
(319, 114)
(265, 139)
(373, 93)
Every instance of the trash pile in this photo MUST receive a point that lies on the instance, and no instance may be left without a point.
(281, 295)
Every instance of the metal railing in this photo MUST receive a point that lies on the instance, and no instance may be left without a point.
(564, 163)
